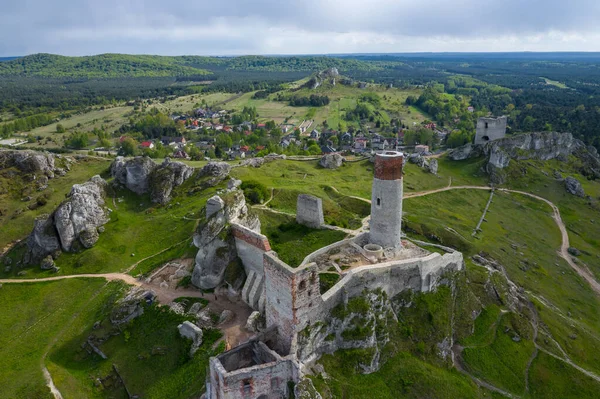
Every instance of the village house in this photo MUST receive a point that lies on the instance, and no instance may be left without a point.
(421, 149)
(173, 141)
(315, 134)
(147, 144)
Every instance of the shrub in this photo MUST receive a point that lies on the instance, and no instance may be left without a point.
(255, 192)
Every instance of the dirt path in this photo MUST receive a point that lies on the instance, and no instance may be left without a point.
(130, 268)
(50, 383)
(563, 253)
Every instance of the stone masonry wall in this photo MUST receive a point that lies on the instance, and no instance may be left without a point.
(309, 211)
(251, 247)
(496, 129)
(293, 300)
(269, 379)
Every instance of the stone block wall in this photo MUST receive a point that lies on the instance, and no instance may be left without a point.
(264, 381)
(251, 247)
(309, 211)
(489, 129)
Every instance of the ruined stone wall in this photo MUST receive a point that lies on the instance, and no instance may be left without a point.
(489, 129)
(292, 295)
(269, 379)
(309, 211)
(251, 247)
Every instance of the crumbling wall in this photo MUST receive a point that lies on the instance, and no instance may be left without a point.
(309, 211)
(490, 129)
(269, 379)
(251, 247)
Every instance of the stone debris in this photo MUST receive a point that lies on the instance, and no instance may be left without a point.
(226, 316)
(574, 187)
(132, 305)
(191, 331)
(254, 322)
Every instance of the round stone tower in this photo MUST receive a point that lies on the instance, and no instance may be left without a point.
(386, 200)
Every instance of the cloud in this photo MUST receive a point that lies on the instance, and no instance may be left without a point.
(229, 27)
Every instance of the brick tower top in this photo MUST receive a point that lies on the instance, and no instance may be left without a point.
(388, 165)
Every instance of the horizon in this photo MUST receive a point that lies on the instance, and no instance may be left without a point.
(342, 54)
(233, 27)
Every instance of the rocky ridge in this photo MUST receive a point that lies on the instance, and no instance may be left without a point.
(542, 146)
(141, 175)
(216, 245)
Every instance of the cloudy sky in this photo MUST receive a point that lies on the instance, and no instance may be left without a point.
(235, 27)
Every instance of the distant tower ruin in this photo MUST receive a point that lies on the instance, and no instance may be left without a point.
(489, 129)
(386, 200)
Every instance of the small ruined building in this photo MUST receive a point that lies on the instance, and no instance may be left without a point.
(303, 318)
(490, 129)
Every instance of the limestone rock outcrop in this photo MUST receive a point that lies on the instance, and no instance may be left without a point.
(574, 187)
(81, 214)
(331, 161)
(133, 173)
(430, 165)
(42, 165)
(216, 245)
(166, 177)
(141, 175)
(191, 331)
(214, 173)
(73, 224)
(347, 328)
(542, 146)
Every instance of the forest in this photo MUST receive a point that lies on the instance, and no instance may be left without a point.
(537, 91)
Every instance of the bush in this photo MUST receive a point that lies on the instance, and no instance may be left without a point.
(255, 192)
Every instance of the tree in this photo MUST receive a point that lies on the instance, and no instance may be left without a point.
(77, 141)
(129, 147)
(60, 128)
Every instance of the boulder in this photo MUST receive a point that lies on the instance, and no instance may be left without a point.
(47, 263)
(133, 173)
(42, 241)
(226, 316)
(214, 205)
(82, 213)
(191, 331)
(141, 175)
(253, 162)
(574, 187)
(233, 184)
(254, 322)
(165, 178)
(574, 251)
(132, 306)
(433, 166)
(33, 162)
(331, 161)
(214, 173)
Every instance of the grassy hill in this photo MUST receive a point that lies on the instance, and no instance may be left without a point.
(97, 66)
(124, 65)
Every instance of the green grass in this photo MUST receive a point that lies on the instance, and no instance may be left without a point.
(554, 83)
(35, 316)
(485, 327)
(15, 218)
(150, 354)
(137, 227)
(181, 250)
(404, 376)
(503, 362)
(551, 378)
(291, 241)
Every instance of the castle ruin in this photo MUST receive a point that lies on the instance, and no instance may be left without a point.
(490, 129)
(301, 320)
